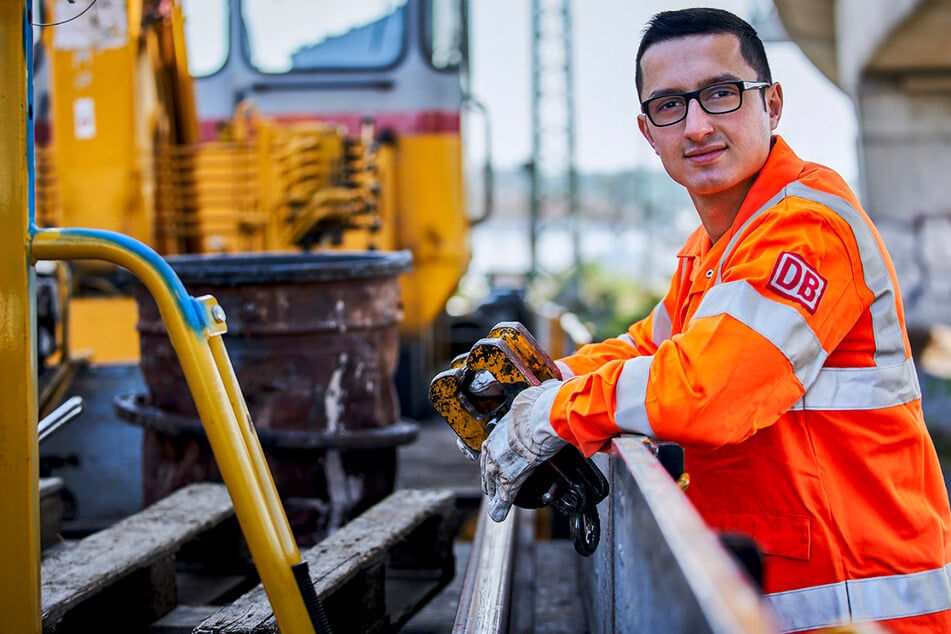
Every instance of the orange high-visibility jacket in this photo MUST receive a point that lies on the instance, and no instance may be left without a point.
(779, 360)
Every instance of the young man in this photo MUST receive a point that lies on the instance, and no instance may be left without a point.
(778, 358)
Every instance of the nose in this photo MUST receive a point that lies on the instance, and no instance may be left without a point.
(697, 123)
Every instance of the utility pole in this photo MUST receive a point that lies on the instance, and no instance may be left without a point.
(554, 178)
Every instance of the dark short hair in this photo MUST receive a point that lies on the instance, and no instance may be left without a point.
(669, 25)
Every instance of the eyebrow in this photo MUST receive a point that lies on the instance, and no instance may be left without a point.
(716, 79)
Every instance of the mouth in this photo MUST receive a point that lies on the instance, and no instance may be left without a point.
(704, 155)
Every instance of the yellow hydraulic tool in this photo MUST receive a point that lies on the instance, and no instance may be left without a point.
(477, 391)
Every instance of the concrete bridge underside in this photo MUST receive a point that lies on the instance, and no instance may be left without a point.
(893, 57)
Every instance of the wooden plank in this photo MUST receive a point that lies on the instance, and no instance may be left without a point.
(411, 530)
(126, 606)
(138, 542)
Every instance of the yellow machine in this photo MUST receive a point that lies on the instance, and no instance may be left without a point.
(194, 325)
(320, 154)
(305, 128)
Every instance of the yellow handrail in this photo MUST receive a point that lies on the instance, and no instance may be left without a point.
(194, 328)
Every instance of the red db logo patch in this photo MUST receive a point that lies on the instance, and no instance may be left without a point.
(794, 279)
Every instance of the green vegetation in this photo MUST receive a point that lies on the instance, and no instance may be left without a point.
(607, 302)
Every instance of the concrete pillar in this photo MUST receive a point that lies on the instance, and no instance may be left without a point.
(905, 134)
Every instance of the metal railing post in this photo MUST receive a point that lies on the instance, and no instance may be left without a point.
(19, 449)
(194, 327)
(659, 567)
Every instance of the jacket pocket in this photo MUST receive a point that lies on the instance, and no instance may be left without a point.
(775, 534)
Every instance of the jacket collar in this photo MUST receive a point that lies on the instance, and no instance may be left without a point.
(782, 167)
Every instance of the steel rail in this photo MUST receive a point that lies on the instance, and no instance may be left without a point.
(485, 597)
(658, 568)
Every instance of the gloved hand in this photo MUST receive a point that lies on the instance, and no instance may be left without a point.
(521, 441)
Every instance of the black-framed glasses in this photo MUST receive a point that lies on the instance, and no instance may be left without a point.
(719, 98)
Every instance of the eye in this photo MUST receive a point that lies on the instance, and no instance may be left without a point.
(666, 104)
(721, 92)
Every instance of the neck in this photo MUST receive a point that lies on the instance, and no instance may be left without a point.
(718, 211)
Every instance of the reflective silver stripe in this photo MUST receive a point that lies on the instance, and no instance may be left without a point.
(781, 325)
(630, 411)
(826, 388)
(862, 388)
(898, 596)
(889, 342)
(626, 338)
(661, 325)
(811, 608)
(864, 600)
(772, 202)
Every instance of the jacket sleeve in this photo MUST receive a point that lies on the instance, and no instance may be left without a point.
(642, 338)
(746, 355)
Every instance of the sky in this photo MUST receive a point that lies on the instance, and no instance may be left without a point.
(818, 119)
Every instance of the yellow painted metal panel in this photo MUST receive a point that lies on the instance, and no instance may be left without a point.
(119, 343)
(432, 223)
(92, 90)
(19, 471)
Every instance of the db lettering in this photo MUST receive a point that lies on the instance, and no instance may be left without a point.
(794, 279)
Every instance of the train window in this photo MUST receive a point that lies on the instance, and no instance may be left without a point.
(302, 35)
(444, 33)
(206, 35)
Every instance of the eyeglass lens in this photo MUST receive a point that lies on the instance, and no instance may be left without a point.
(716, 99)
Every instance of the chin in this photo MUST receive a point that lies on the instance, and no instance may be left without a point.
(705, 187)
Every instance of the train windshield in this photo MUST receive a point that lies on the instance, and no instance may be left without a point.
(302, 35)
(206, 34)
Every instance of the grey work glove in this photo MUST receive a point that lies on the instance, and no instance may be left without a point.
(521, 441)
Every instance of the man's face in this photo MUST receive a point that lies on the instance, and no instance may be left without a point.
(709, 154)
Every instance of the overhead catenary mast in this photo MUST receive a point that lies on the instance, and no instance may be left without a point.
(554, 177)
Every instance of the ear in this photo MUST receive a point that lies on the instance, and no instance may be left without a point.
(645, 130)
(774, 104)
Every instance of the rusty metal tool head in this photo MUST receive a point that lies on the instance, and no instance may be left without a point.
(477, 390)
(479, 386)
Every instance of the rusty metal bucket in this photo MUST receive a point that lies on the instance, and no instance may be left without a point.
(314, 341)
